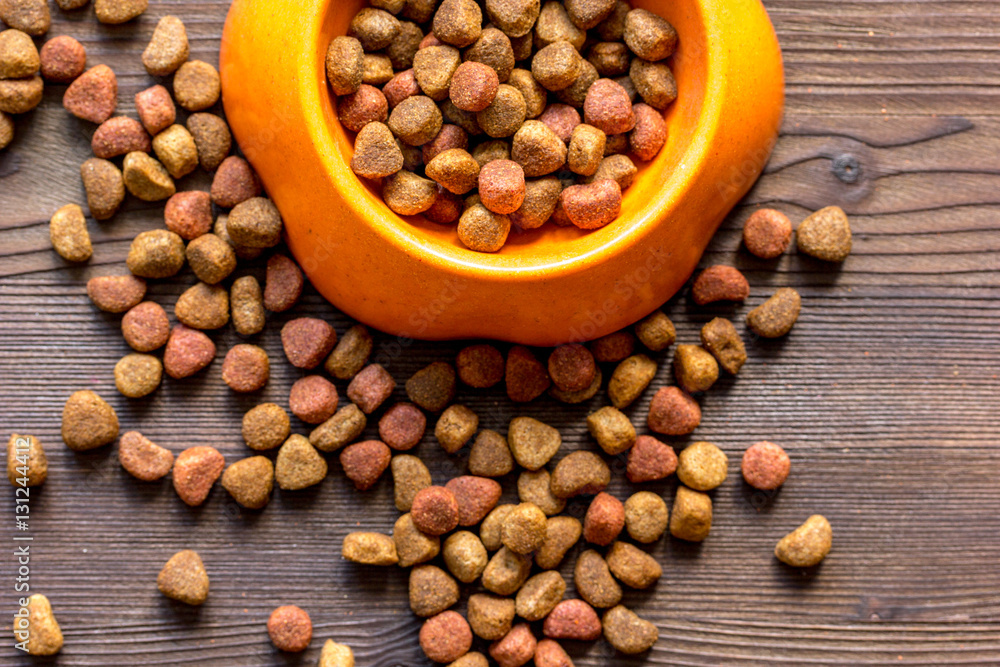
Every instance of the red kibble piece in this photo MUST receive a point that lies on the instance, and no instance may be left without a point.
(474, 86)
(313, 399)
(480, 366)
(189, 214)
(283, 284)
(650, 133)
(93, 95)
(402, 426)
(476, 497)
(608, 107)
(614, 347)
(367, 105)
(501, 186)
(526, 377)
(561, 119)
(308, 341)
(63, 59)
(592, 206)
(118, 136)
(435, 510)
(146, 327)
(188, 351)
(195, 471)
(604, 520)
(673, 412)
(116, 294)
(516, 648)
(572, 619)
(549, 653)
(364, 462)
(156, 109)
(765, 466)
(446, 637)
(234, 182)
(370, 387)
(650, 460)
(290, 629)
(246, 368)
(572, 367)
(428, 41)
(720, 283)
(400, 87)
(447, 208)
(767, 233)
(450, 136)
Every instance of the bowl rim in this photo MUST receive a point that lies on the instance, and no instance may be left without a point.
(579, 253)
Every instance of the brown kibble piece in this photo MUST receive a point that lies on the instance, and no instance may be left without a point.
(351, 353)
(517, 648)
(580, 473)
(146, 178)
(250, 481)
(400, 87)
(721, 339)
(345, 64)
(523, 531)
(691, 516)
(234, 182)
(371, 387)
(673, 412)
(495, 50)
(490, 456)
(492, 527)
(765, 466)
(26, 461)
(450, 136)
(18, 55)
(535, 97)
(345, 426)
(35, 627)
(501, 186)
(515, 17)
(776, 316)
(88, 422)
(540, 199)
(146, 327)
(188, 351)
(454, 169)
(68, 234)
(203, 307)
(176, 149)
(650, 460)
(538, 149)
(535, 487)
(405, 193)
(93, 95)
(532, 443)
(156, 109)
(592, 206)
(290, 629)
(482, 230)
(465, 556)
(656, 332)
(573, 619)
(313, 399)
(556, 66)
(299, 465)
(195, 471)
(649, 36)
(554, 25)
(432, 591)
(695, 368)
(594, 582)
(586, 14)
(412, 546)
(432, 387)
(807, 545)
(211, 259)
(402, 426)
(455, 427)
(364, 462)
(138, 375)
(183, 578)
(539, 595)
(434, 68)
(702, 466)
(284, 284)
(116, 294)
(604, 520)
(611, 59)
(266, 426)
(490, 616)
(720, 283)
(632, 566)
(142, 458)
(480, 366)
(114, 12)
(374, 28)
(549, 653)
(630, 379)
(168, 47)
(646, 517)
(369, 549)
(767, 233)
(586, 150)
(825, 235)
(525, 376)
(62, 59)
(506, 572)
(212, 139)
(505, 116)
(20, 95)
(612, 429)
(246, 303)
(575, 95)
(404, 48)
(416, 120)
(255, 223)
(654, 82)
(30, 16)
(618, 168)
(409, 477)
(118, 136)
(458, 22)
(445, 637)
(627, 632)
(197, 85)
(246, 368)
(572, 367)
(561, 533)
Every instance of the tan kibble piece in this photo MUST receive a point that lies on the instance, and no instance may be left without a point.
(586, 14)
(532, 443)
(586, 150)
(35, 625)
(612, 429)
(523, 531)
(549, 653)
(695, 369)
(266, 426)
(465, 556)
(579, 473)
(345, 426)
(146, 178)
(535, 487)
(483, 230)
(30, 16)
(374, 28)
(702, 466)
(556, 66)
(138, 375)
(212, 139)
(632, 566)
(495, 50)
(377, 69)
(691, 516)
(490, 616)
(575, 95)
(535, 97)
(554, 25)
(336, 655)
(212, 259)
(776, 316)
(491, 528)
(168, 47)
(114, 12)
(26, 461)
(18, 55)
(515, 17)
(538, 149)
(454, 169)
(299, 465)
(21, 95)
(505, 116)
(646, 517)
(176, 150)
(250, 481)
(627, 632)
(376, 154)
(539, 595)
(593, 581)
(630, 380)
(455, 427)
(369, 549)
(412, 546)
(722, 340)
(68, 234)
(203, 307)
(351, 353)
(654, 82)
(807, 545)
(234, 182)
(611, 59)
(490, 455)
(612, 28)
(406, 193)
(246, 303)
(506, 572)
(458, 22)
(6, 130)
(197, 85)
(618, 168)
(431, 591)
(825, 235)
(561, 534)
(649, 36)
(88, 422)
(656, 331)
(104, 185)
(255, 223)
(184, 578)
(540, 199)
(433, 68)
(404, 48)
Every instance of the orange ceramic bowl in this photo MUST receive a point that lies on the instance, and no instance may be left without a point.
(414, 278)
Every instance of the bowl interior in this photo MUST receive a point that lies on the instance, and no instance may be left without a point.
(550, 246)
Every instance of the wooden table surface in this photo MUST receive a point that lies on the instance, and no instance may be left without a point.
(886, 394)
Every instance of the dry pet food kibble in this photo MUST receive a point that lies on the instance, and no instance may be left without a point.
(142, 458)
(767, 233)
(21, 95)
(234, 182)
(188, 351)
(476, 497)
(118, 136)
(156, 109)
(345, 426)
(88, 422)
(116, 294)
(482, 230)
(197, 85)
(212, 260)
(307, 341)
(195, 471)
(62, 59)
(402, 426)
(203, 307)
(432, 387)
(720, 283)
(432, 591)
(721, 339)
(266, 427)
(313, 399)
(694, 368)
(138, 375)
(68, 234)
(673, 412)
(212, 139)
(345, 65)
(526, 378)
(646, 517)
(573, 619)
(825, 235)
(371, 387)
(18, 55)
(246, 368)
(580, 473)
(435, 510)
(532, 443)
(535, 486)
(691, 516)
(702, 466)
(189, 214)
(650, 460)
(445, 637)
(539, 595)
(176, 149)
(656, 332)
(290, 629)
(549, 653)
(412, 546)
(369, 549)
(807, 545)
(146, 178)
(456, 427)
(630, 379)
(561, 533)
(765, 466)
(299, 465)
(465, 556)
(336, 655)
(523, 530)
(168, 47)
(184, 578)
(283, 285)
(490, 616)
(480, 366)
(406, 193)
(26, 461)
(506, 572)
(105, 187)
(775, 317)
(594, 582)
(627, 632)
(632, 566)
(351, 353)
(38, 628)
(93, 95)
(604, 521)
(612, 430)
(250, 481)
(490, 455)
(364, 462)
(517, 648)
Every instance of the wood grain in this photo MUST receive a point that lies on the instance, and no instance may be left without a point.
(886, 394)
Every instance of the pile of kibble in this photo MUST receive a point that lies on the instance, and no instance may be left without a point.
(481, 124)
(513, 557)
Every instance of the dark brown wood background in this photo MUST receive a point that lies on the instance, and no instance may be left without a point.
(886, 394)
